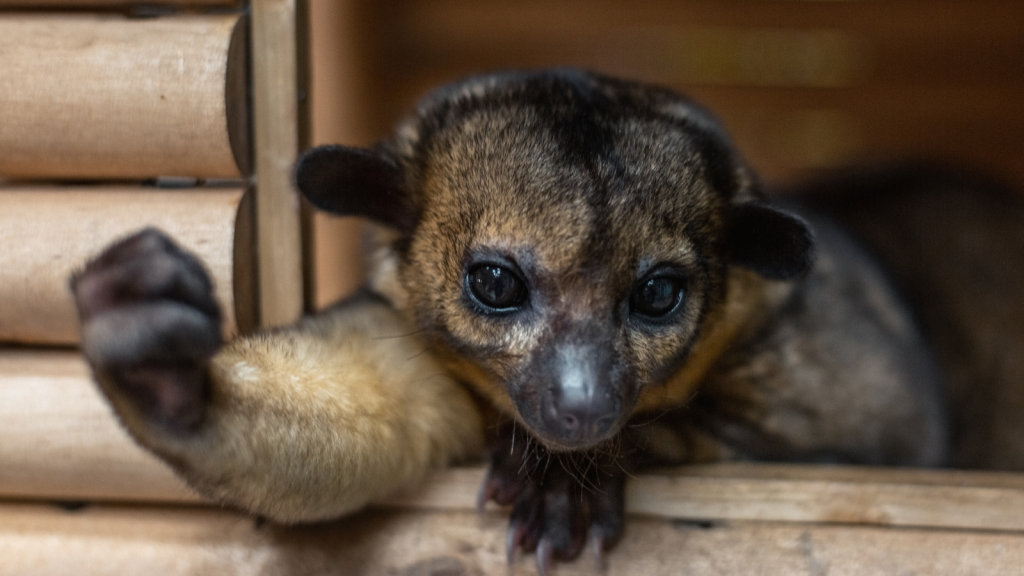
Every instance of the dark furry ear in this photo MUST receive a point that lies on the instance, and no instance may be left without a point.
(771, 242)
(355, 182)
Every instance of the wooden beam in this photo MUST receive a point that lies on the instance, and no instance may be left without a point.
(42, 541)
(275, 124)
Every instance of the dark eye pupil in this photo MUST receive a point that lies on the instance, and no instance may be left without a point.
(496, 287)
(657, 296)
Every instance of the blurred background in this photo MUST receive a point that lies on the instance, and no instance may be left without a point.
(802, 85)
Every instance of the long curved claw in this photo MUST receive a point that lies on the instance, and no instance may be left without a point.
(597, 545)
(545, 552)
(513, 539)
(488, 491)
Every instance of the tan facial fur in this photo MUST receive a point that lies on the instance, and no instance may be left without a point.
(497, 184)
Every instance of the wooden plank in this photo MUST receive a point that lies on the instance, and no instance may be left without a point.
(275, 109)
(109, 97)
(791, 493)
(38, 541)
(48, 232)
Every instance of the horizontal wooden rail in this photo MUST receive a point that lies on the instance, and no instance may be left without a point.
(49, 232)
(109, 97)
(38, 540)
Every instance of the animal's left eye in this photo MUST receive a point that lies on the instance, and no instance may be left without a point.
(656, 297)
(496, 287)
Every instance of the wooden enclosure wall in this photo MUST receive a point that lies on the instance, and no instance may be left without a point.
(803, 85)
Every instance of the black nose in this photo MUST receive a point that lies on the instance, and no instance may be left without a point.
(579, 419)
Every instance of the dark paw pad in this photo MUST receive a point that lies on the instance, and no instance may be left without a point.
(150, 324)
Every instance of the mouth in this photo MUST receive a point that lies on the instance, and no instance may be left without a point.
(572, 436)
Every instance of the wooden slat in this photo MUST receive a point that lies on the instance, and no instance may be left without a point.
(109, 97)
(275, 109)
(48, 232)
(38, 541)
(790, 493)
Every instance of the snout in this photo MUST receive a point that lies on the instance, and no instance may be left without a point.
(581, 404)
(578, 420)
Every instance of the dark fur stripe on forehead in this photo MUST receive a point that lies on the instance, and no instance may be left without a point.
(581, 110)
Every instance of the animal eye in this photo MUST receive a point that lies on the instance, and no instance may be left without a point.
(496, 287)
(656, 297)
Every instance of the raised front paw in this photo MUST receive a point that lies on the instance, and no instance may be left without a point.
(150, 324)
(558, 500)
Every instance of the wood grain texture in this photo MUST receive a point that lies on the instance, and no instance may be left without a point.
(109, 97)
(49, 232)
(38, 541)
(275, 126)
(59, 439)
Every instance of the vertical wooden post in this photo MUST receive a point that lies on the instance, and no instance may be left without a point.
(276, 138)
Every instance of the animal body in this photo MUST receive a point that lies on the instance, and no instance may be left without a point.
(576, 273)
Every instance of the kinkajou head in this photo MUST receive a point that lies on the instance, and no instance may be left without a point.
(561, 238)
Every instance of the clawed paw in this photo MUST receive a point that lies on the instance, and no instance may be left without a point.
(150, 325)
(559, 501)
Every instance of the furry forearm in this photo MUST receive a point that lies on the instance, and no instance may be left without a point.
(315, 421)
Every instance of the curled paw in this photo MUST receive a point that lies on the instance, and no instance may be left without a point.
(150, 324)
(559, 501)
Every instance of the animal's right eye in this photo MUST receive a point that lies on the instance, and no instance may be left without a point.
(657, 297)
(496, 287)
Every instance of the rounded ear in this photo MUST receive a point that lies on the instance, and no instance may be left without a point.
(355, 182)
(773, 243)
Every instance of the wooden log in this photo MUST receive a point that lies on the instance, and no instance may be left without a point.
(48, 232)
(42, 541)
(59, 439)
(90, 97)
(276, 140)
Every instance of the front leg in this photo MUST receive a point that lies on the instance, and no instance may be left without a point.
(557, 499)
(303, 423)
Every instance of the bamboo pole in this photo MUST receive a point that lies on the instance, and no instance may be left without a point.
(49, 232)
(85, 96)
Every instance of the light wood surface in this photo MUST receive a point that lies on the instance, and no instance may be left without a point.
(38, 540)
(49, 232)
(275, 126)
(59, 439)
(108, 97)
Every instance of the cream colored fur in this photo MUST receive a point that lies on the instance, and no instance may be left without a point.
(318, 420)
